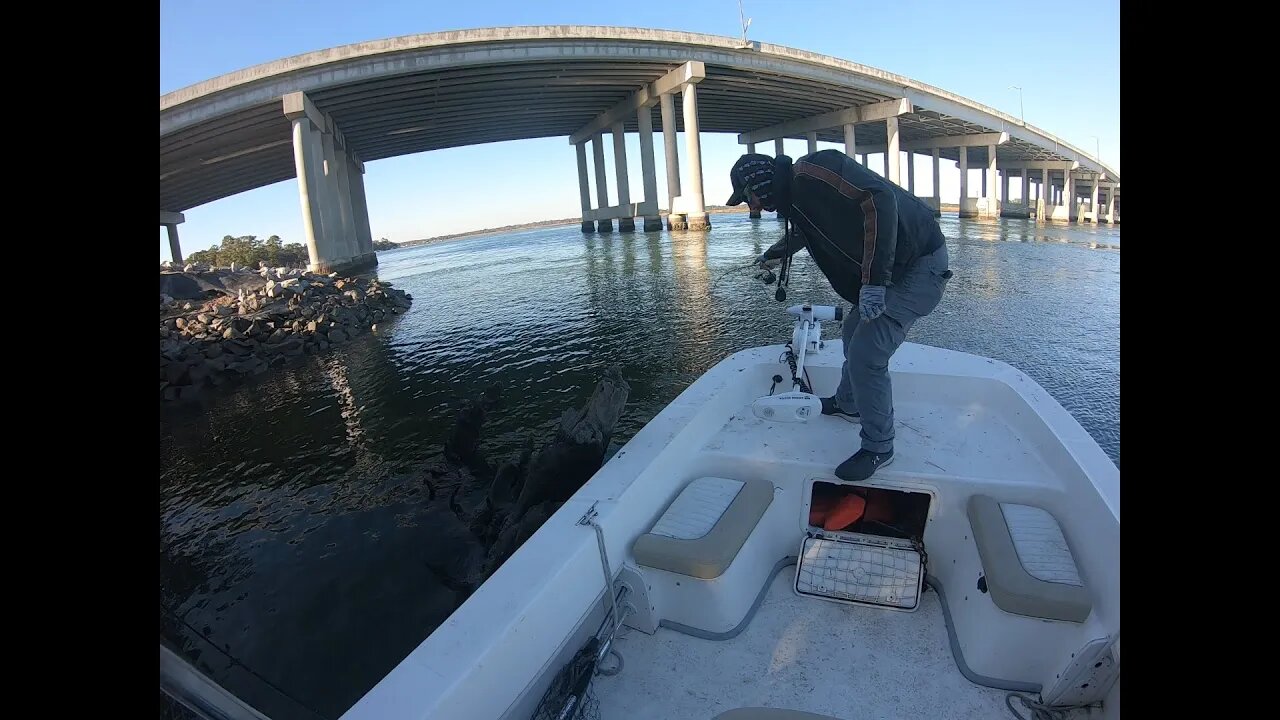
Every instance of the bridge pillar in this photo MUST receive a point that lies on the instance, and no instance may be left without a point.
(937, 182)
(170, 221)
(666, 105)
(1043, 202)
(964, 182)
(335, 214)
(1069, 194)
(1093, 206)
(649, 174)
(308, 158)
(779, 149)
(602, 182)
(1026, 188)
(697, 214)
(893, 153)
(584, 188)
(344, 205)
(626, 223)
(864, 159)
(983, 193)
(1111, 205)
(360, 208)
(994, 199)
(812, 139)
(850, 141)
(911, 173)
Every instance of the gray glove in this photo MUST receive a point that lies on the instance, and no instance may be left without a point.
(767, 262)
(871, 302)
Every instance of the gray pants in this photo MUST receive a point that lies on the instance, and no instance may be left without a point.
(864, 381)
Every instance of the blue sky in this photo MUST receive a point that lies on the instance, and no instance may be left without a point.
(1069, 69)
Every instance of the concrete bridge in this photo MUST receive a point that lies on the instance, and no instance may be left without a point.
(321, 116)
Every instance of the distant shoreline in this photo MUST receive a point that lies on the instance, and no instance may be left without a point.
(538, 225)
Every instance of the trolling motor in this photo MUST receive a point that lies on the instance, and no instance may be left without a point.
(798, 404)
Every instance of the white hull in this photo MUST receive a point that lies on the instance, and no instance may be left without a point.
(965, 426)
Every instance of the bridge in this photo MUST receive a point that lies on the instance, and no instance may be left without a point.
(321, 116)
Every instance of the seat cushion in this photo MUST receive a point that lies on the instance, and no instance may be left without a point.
(1029, 567)
(704, 527)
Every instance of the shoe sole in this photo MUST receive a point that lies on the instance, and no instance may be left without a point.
(846, 417)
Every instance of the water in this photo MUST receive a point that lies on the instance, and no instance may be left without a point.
(294, 526)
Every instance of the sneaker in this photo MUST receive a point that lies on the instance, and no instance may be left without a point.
(829, 407)
(863, 465)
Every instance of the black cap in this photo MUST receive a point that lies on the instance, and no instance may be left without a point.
(739, 195)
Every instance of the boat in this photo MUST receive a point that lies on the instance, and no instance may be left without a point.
(694, 576)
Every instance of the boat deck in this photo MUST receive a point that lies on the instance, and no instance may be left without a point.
(849, 662)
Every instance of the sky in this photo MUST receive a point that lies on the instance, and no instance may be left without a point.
(1070, 80)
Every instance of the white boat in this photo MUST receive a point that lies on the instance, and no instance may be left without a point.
(998, 581)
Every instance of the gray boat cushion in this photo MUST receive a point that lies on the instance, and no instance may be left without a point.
(1029, 567)
(703, 529)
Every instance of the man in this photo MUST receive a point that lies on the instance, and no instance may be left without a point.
(881, 249)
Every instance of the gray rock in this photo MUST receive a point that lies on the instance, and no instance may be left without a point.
(213, 351)
(337, 336)
(232, 334)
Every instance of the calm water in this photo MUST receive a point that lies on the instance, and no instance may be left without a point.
(294, 528)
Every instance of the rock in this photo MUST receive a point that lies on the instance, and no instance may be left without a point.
(278, 336)
(223, 310)
(337, 336)
(213, 351)
(232, 334)
(313, 327)
(291, 346)
(373, 328)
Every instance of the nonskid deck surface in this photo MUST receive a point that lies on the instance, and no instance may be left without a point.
(846, 661)
(932, 439)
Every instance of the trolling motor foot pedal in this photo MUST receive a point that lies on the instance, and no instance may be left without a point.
(787, 407)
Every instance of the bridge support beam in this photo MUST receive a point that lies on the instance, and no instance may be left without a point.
(1042, 203)
(893, 153)
(584, 187)
(965, 210)
(694, 201)
(993, 198)
(1093, 206)
(812, 139)
(625, 224)
(170, 221)
(649, 173)
(850, 140)
(1069, 194)
(778, 150)
(605, 225)
(666, 104)
(335, 213)
(937, 182)
(911, 172)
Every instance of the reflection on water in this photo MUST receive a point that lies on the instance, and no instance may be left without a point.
(295, 529)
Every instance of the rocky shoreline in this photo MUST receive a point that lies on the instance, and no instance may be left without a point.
(221, 324)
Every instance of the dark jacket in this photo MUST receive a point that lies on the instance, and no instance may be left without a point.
(860, 228)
